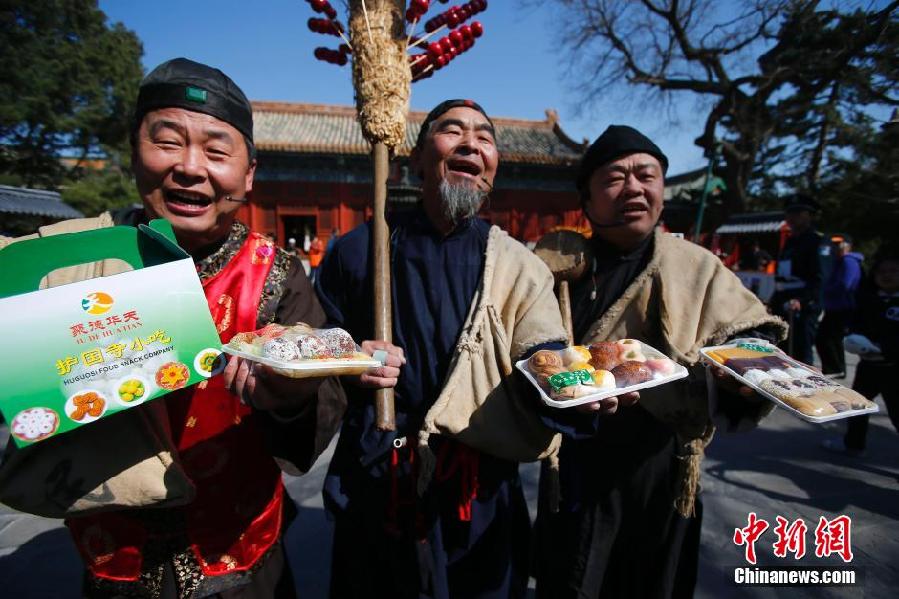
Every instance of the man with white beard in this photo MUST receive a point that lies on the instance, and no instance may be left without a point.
(439, 499)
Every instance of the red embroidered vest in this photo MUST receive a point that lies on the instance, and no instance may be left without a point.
(236, 516)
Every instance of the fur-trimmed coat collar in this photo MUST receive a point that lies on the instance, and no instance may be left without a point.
(690, 300)
(684, 299)
(482, 404)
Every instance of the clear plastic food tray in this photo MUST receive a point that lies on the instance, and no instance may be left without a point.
(310, 368)
(647, 351)
(300, 351)
(776, 352)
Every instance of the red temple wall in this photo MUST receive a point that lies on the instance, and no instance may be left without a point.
(526, 215)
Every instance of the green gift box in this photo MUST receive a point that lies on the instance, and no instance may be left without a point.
(86, 350)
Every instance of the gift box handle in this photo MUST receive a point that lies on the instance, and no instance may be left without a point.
(25, 263)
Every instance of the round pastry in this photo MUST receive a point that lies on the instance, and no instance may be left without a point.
(661, 366)
(573, 392)
(632, 355)
(786, 390)
(245, 342)
(242, 338)
(605, 355)
(603, 379)
(271, 330)
(545, 372)
(840, 405)
(803, 386)
(312, 348)
(581, 366)
(798, 373)
(631, 373)
(280, 349)
(855, 399)
(779, 389)
(34, 424)
(756, 376)
(778, 374)
(339, 342)
(575, 353)
(544, 359)
(301, 328)
(630, 344)
(820, 382)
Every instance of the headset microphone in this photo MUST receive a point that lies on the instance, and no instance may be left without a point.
(238, 200)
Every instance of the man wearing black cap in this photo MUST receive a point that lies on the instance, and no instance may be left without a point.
(194, 161)
(799, 271)
(628, 524)
(467, 301)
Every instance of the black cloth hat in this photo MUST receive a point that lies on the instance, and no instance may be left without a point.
(616, 141)
(800, 202)
(183, 83)
(445, 106)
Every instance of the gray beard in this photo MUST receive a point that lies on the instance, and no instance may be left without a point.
(460, 201)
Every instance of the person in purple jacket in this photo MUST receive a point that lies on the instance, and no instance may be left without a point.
(839, 303)
(874, 337)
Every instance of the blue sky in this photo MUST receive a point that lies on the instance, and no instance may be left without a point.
(515, 70)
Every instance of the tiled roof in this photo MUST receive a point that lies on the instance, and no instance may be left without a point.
(19, 200)
(681, 186)
(329, 129)
(753, 222)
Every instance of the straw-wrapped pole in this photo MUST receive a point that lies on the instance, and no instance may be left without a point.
(567, 254)
(381, 79)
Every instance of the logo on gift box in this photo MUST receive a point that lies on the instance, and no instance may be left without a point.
(97, 302)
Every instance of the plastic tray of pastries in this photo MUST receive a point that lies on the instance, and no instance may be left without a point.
(582, 374)
(299, 351)
(795, 386)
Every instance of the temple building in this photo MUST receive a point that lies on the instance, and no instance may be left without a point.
(314, 173)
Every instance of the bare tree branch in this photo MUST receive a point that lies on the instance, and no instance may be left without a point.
(786, 79)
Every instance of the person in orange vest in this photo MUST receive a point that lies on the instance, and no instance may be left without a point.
(316, 253)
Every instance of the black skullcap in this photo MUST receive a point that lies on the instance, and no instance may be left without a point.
(183, 83)
(616, 141)
(445, 106)
(799, 202)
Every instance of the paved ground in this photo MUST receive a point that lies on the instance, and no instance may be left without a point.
(778, 469)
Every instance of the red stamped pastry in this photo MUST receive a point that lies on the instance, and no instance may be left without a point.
(172, 375)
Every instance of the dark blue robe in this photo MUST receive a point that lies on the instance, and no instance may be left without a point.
(389, 542)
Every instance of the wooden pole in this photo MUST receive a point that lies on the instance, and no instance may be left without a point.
(566, 255)
(385, 415)
(565, 306)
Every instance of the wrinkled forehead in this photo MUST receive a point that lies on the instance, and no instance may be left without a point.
(636, 162)
(467, 118)
(181, 118)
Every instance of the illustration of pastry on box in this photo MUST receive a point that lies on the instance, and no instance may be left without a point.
(582, 374)
(796, 386)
